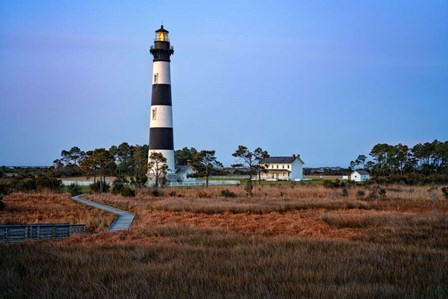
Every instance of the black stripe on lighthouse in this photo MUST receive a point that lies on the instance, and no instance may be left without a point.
(161, 138)
(161, 94)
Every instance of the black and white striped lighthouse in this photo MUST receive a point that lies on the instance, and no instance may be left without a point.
(161, 115)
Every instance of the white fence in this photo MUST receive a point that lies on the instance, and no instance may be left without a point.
(202, 183)
(173, 184)
(82, 182)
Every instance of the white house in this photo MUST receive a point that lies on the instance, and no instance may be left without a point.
(359, 175)
(282, 168)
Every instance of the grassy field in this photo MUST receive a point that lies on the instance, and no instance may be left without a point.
(285, 241)
(26, 208)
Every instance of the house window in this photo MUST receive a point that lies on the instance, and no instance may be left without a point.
(287, 166)
(283, 166)
(277, 166)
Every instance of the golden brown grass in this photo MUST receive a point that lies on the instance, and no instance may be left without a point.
(32, 208)
(176, 261)
(285, 242)
(300, 211)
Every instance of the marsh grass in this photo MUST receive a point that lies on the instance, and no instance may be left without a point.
(278, 198)
(48, 207)
(204, 263)
(308, 242)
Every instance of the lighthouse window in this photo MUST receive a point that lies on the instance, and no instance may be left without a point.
(156, 77)
(154, 112)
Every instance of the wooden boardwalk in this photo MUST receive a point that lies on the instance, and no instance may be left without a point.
(123, 220)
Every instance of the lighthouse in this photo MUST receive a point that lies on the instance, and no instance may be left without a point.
(161, 114)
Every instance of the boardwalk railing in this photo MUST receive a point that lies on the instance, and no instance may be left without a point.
(22, 232)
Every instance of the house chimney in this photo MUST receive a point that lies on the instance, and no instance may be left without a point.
(293, 156)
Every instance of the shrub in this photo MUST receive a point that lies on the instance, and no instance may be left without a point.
(26, 184)
(156, 192)
(118, 185)
(4, 189)
(45, 182)
(74, 189)
(202, 194)
(328, 184)
(172, 193)
(96, 187)
(344, 192)
(445, 192)
(335, 184)
(127, 191)
(227, 193)
(248, 187)
(373, 194)
(360, 193)
(2, 205)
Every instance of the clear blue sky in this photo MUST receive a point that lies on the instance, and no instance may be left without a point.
(325, 79)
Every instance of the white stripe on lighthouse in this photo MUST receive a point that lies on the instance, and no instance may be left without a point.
(169, 155)
(161, 72)
(161, 116)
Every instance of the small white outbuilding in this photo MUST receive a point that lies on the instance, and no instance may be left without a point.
(359, 175)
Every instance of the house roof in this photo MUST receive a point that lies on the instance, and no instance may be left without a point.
(280, 160)
(362, 172)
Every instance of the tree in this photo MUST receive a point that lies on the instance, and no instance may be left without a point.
(204, 163)
(361, 160)
(123, 158)
(139, 165)
(260, 155)
(98, 162)
(69, 163)
(184, 155)
(157, 168)
(441, 151)
(402, 156)
(88, 166)
(423, 158)
(381, 154)
(369, 166)
(250, 160)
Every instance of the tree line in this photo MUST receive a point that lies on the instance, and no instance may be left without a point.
(424, 162)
